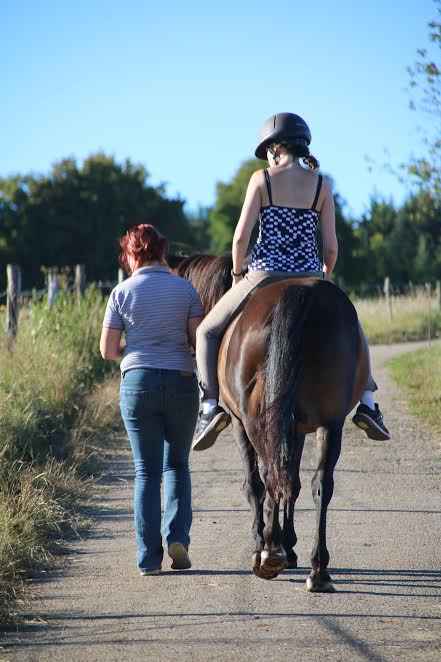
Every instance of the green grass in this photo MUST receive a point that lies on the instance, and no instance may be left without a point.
(410, 318)
(51, 414)
(419, 375)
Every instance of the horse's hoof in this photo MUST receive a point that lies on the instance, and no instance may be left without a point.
(268, 575)
(272, 562)
(319, 585)
(256, 564)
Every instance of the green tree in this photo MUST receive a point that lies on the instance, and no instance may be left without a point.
(403, 243)
(372, 234)
(418, 241)
(76, 215)
(425, 83)
(14, 192)
(200, 229)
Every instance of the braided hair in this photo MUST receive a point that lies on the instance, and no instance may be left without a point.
(298, 148)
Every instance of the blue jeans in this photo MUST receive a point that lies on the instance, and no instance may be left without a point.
(159, 408)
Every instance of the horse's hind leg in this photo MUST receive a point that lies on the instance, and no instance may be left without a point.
(329, 445)
(279, 553)
(253, 487)
(288, 533)
(273, 557)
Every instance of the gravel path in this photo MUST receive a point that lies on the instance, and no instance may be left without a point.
(383, 536)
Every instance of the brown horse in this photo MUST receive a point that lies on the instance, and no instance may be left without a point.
(290, 363)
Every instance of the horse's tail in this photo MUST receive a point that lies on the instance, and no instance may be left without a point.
(283, 372)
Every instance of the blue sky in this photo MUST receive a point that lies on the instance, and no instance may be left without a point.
(183, 87)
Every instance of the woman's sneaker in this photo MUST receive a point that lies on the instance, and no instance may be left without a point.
(209, 426)
(148, 573)
(179, 555)
(371, 421)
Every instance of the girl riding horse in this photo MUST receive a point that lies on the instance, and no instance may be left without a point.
(290, 200)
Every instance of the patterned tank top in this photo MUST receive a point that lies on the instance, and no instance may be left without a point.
(287, 237)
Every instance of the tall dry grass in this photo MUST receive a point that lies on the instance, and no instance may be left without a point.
(413, 318)
(50, 419)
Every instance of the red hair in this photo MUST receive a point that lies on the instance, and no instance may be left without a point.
(143, 243)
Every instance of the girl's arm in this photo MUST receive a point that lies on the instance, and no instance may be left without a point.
(246, 222)
(327, 228)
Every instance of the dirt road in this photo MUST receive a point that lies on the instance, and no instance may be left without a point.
(384, 530)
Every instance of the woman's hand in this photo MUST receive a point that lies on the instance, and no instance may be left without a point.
(237, 279)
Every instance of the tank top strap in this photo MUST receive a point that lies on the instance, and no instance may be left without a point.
(317, 193)
(268, 186)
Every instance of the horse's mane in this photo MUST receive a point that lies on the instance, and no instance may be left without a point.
(210, 275)
(174, 261)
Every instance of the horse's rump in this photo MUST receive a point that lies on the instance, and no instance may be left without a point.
(330, 343)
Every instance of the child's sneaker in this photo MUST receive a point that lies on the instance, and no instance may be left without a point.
(371, 421)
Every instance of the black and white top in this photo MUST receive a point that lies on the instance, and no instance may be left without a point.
(287, 237)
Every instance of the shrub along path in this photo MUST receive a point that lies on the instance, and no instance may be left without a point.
(383, 535)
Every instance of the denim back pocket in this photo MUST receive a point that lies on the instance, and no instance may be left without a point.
(135, 404)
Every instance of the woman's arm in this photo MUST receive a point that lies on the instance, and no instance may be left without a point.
(327, 228)
(192, 325)
(110, 344)
(246, 222)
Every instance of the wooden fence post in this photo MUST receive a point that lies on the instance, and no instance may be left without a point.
(429, 294)
(52, 287)
(386, 291)
(438, 293)
(13, 275)
(121, 275)
(80, 280)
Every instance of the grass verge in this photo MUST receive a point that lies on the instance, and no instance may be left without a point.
(419, 375)
(52, 412)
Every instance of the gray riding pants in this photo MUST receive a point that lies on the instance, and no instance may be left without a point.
(212, 328)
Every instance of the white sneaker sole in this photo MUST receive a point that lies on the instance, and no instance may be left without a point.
(150, 573)
(372, 430)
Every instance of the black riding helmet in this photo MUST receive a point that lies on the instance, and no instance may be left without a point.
(280, 128)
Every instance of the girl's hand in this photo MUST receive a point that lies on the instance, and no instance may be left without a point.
(236, 279)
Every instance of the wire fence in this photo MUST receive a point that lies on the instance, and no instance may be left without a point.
(386, 296)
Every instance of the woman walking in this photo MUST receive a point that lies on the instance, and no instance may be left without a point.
(290, 199)
(158, 313)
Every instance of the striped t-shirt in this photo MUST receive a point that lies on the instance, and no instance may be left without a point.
(152, 308)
